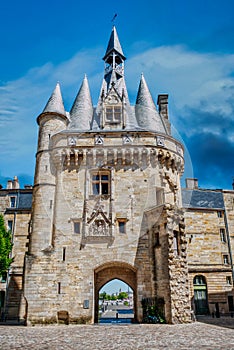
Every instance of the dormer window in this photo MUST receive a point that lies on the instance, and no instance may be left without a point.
(113, 114)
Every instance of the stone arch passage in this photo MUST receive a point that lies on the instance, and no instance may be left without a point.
(115, 270)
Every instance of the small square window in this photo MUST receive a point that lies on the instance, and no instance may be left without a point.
(122, 226)
(225, 259)
(10, 225)
(229, 280)
(219, 214)
(77, 227)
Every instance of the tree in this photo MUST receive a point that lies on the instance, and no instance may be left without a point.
(5, 247)
(122, 295)
(103, 296)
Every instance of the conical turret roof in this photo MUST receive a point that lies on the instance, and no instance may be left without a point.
(82, 110)
(114, 44)
(55, 102)
(146, 113)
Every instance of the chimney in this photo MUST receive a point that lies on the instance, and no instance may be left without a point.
(9, 184)
(162, 103)
(15, 183)
(191, 183)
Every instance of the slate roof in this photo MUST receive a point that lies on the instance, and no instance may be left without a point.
(146, 113)
(201, 199)
(25, 200)
(55, 102)
(82, 110)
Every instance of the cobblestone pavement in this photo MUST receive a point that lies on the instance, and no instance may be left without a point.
(197, 335)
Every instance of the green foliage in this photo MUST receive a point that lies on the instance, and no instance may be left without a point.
(5, 247)
(122, 295)
(153, 310)
(103, 296)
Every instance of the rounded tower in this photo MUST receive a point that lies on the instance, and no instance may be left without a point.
(52, 120)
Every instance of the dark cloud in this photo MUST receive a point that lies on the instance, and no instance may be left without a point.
(211, 148)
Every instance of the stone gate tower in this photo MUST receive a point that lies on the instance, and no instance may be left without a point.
(106, 203)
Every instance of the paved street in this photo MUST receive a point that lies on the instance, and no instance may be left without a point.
(125, 337)
(117, 314)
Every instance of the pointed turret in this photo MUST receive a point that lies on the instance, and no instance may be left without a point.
(114, 45)
(53, 119)
(55, 102)
(146, 113)
(82, 110)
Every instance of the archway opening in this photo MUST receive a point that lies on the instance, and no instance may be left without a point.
(115, 293)
(116, 303)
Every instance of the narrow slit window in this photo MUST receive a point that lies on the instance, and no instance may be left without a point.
(223, 235)
(176, 243)
(64, 253)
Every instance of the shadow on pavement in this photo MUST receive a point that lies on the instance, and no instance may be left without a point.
(222, 321)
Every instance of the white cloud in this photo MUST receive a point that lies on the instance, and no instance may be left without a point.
(189, 76)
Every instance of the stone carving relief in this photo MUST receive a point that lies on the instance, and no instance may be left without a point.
(99, 224)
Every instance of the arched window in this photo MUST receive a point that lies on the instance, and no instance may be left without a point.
(199, 280)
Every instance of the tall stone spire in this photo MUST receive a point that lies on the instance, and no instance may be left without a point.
(55, 102)
(82, 110)
(146, 113)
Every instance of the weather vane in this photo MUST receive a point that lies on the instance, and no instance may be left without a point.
(113, 19)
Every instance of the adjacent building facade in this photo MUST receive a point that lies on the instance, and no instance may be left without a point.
(107, 203)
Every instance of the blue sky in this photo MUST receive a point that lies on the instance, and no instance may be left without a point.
(184, 48)
(115, 286)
